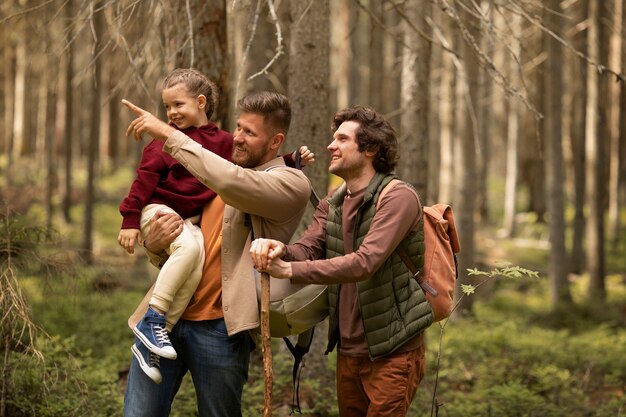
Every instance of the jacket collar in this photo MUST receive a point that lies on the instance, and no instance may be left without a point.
(278, 161)
(377, 183)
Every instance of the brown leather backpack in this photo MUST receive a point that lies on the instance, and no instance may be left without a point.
(438, 276)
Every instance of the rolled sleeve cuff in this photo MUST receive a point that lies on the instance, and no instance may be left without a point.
(174, 141)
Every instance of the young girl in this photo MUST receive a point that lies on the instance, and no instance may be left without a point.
(164, 185)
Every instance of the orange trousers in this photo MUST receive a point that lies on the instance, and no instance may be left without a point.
(382, 388)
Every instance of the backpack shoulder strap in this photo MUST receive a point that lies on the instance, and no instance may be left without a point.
(298, 351)
(387, 188)
(417, 274)
(305, 339)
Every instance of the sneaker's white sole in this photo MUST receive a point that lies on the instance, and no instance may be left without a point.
(167, 354)
(152, 372)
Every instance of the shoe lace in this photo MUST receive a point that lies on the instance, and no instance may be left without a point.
(155, 360)
(161, 335)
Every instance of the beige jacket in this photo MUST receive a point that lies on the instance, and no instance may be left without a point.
(275, 199)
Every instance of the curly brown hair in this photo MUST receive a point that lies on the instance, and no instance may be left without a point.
(374, 134)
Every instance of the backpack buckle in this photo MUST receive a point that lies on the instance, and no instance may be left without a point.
(426, 287)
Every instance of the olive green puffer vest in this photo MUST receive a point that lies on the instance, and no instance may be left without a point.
(392, 304)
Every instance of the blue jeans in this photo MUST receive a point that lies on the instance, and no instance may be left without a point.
(218, 365)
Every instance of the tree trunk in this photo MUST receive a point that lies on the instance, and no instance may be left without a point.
(447, 104)
(465, 115)
(434, 120)
(339, 56)
(536, 171)
(360, 53)
(44, 140)
(42, 115)
(622, 119)
(577, 140)
(376, 55)
(115, 134)
(308, 85)
(485, 115)
(237, 38)
(615, 61)
(594, 169)
(8, 67)
(20, 112)
(510, 188)
(50, 166)
(531, 150)
(605, 27)
(94, 132)
(67, 112)
(552, 131)
(392, 80)
(104, 142)
(207, 49)
(414, 131)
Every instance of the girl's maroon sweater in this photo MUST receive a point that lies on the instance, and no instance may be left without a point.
(163, 180)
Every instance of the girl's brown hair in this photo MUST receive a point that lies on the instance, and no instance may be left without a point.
(196, 83)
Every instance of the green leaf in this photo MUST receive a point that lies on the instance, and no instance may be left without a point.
(468, 289)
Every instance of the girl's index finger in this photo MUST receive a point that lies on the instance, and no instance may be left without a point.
(136, 109)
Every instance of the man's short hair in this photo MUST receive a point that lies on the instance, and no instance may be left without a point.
(196, 83)
(274, 107)
(374, 134)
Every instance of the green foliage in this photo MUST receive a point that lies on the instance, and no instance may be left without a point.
(50, 387)
(88, 353)
(491, 367)
(19, 239)
(498, 362)
(77, 313)
(505, 271)
(42, 374)
(504, 363)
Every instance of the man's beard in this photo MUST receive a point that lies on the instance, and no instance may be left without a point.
(246, 159)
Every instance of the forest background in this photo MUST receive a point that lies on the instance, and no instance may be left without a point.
(514, 112)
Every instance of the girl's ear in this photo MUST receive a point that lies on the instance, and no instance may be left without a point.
(202, 101)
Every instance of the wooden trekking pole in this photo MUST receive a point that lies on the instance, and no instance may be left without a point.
(266, 344)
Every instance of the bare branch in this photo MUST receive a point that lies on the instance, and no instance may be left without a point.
(190, 26)
(598, 66)
(279, 40)
(394, 35)
(460, 67)
(115, 27)
(26, 11)
(246, 51)
(484, 60)
(304, 13)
